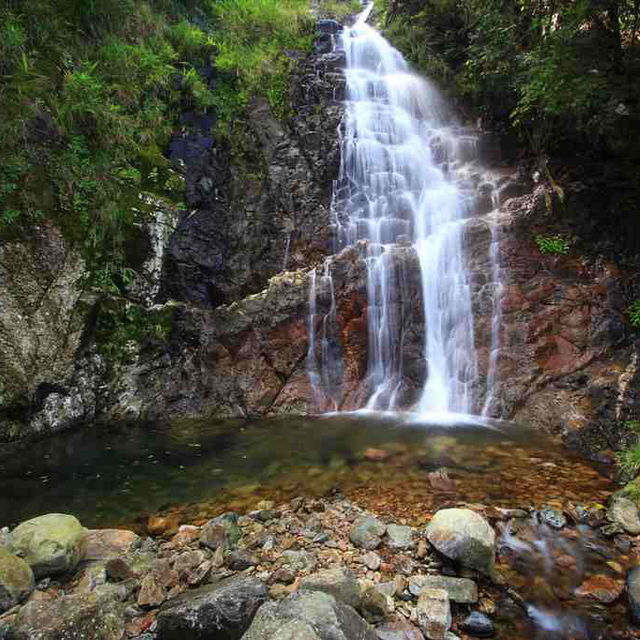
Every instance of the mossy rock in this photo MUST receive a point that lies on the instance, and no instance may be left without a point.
(16, 580)
(51, 544)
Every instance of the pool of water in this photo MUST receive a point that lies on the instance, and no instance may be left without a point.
(121, 473)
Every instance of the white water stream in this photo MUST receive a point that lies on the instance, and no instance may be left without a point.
(403, 181)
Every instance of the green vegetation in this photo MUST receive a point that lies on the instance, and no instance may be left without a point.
(556, 72)
(339, 10)
(633, 312)
(552, 244)
(90, 93)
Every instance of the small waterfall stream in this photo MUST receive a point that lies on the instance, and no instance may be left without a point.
(404, 182)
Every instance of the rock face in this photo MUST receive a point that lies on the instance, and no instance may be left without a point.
(70, 618)
(16, 580)
(51, 544)
(309, 615)
(464, 536)
(223, 610)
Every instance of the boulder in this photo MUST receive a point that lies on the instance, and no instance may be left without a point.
(222, 531)
(633, 593)
(87, 615)
(16, 580)
(308, 615)
(51, 544)
(338, 582)
(624, 513)
(434, 613)
(105, 544)
(367, 532)
(464, 536)
(223, 610)
(460, 590)
(399, 536)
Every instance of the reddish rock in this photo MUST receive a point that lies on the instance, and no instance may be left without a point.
(138, 626)
(600, 588)
(104, 544)
(151, 594)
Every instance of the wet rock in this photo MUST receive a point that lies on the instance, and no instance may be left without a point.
(308, 615)
(241, 560)
(554, 518)
(478, 625)
(434, 613)
(399, 536)
(367, 532)
(375, 605)
(222, 531)
(339, 582)
(152, 593)
(328, 26)
(223, 610)
(600, 588)
(372, 560)
(70, 618)
(51, 544)
(633, 593)
(460, 590)
(624, 513)
(464, 536)
(16, 580)
(104, 544)
(399, 630)
(118, 570)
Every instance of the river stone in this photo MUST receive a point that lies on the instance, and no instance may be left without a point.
(87, 615)
(308, 615)
(633, 593)
(105, 544)
(552, 517)
(399, 630)
(299, 560)
(16, 580)
(464, 536)
(367, 532)
(51, 544)
(624, 513)
(399, 536)
(222, 531)
(339, 582)
(223, 610)
(434, 613)
(460, 590)
(478, 625)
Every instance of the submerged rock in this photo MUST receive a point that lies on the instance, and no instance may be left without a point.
(309, 615)
(478, 624)
(600, 588)
(464, 536)
(87, 615)
(367, 532)
(16, 580)
(51, 544)
(552, 517)
(339, 582)
(223, 610)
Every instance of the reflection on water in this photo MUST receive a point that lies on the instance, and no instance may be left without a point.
(115, 475)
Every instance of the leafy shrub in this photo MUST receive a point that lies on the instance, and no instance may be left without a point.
(552, 244)
(633, 312)
(629, 460)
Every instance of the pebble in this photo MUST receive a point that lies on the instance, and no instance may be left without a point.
(372, 560)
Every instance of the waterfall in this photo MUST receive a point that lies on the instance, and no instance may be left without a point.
(404, 181)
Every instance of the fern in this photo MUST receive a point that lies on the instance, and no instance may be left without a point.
(552, 244)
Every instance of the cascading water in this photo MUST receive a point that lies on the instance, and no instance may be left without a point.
(403, 181)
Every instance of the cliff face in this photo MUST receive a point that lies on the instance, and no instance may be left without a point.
(231, 334)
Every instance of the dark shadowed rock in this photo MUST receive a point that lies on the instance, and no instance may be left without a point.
(633, 592)
(478, 624)
(309, 615)
(223, 610)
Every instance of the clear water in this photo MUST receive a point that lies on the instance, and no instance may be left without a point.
(403, 181)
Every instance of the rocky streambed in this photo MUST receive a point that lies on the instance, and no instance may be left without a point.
(326, 569)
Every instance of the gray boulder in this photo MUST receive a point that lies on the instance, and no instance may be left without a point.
(624, 513)
(87, 615)
(16, 580)
(339, 582)
(223, 610)
(308, 615)
(51, 544)
(464, 536)
(367, 532)
(460, 590)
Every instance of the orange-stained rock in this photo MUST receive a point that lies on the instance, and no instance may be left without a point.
(600, 588)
